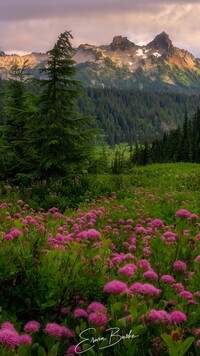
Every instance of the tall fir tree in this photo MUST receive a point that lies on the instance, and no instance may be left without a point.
(58, 134)
(186, 154)
(16, 113)
(195, 136)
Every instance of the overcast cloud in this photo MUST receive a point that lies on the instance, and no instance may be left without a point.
(28, 25)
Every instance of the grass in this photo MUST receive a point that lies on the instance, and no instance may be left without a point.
(53, 264)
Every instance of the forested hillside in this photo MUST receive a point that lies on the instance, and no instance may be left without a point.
(130, 115)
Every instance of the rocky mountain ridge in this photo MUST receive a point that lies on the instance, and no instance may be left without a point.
(124, 64)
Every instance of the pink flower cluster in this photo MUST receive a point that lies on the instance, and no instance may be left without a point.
(32, 326)
(128, 269)
(161, 316)
(58, 330)
(11, 338)
(115, 287)
(167, 278)
(180, 265)
(183, 213)
(12, 234)
(97, 314)
(145, 288)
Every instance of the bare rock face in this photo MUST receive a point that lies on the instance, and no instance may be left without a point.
(161, 42)
(121, 62)
(121, 43)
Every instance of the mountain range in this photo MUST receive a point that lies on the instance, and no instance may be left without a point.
(122, 64)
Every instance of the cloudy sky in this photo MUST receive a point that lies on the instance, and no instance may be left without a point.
(34, 25)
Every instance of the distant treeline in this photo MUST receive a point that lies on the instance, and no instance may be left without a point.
(133, 115)
(178, 145)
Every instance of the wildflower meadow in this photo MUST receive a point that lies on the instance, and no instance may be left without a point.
(118, 275)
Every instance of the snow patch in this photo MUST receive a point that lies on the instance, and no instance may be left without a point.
(157, 54)
(130, 63)
(140, 53)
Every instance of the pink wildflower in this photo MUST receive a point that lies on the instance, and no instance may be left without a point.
(93, 234)
(171, 302)
(197, 294)
(53, 329)
(31, 326)
(145, 288)
(157, 223)
(179, 287)
(167, 278)
(25, 339)
(116, 287)
(186, 294)
(89, 234)
(80, 313)
(144, 264)
(67, 332)
(64, 310)
(169, 236)
(8, 236)
(186, 232)
(118, 257)
(7, 325)
(192, 217)
(158, 316)
(150, 274)
(192, 302)
(197, 332)
(129, 318)
(179, 265)
(140, 230)
(16, 233)
(197, 259)
(98, 319)
(177, 316)
(9, 337)
(3, 205)
(73, 350)
(147, 251)
(128, 269)
(130, 221)
(96, 306)
(121, 221)
(183, 213)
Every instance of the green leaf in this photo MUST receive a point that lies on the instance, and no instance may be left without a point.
(41, 351)
(186, 345)
(139, 329)
(18, 224)
(172, 346)
(121, 322)
(116, 306)
(50, 303)
(35, 346)
(54, 350)
(133, 312)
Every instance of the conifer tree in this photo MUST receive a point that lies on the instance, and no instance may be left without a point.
(186, 142)
(58, 134)
(195, 136)
(16, 112)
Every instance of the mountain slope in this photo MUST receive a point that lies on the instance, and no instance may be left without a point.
(132, 115)
(123, 64)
